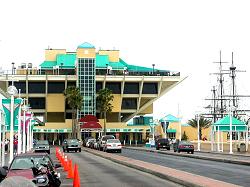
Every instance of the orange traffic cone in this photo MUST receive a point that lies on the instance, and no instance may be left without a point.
(76, 180)
(66, 164)
(70, 171)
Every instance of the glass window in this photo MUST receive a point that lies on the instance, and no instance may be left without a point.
(36, 87)
(19, 85)
(131, 88)
(56, 87)
(129, 103)
(150, 88)
(37, 103)
(115, 87)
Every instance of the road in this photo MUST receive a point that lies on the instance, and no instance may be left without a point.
(95, 171)
(231, 173)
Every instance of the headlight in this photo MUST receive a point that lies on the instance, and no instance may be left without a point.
(42, 179)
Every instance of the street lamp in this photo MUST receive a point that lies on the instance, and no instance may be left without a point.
(153, 68)
(198, 136)
(231, 109)
(12, 91)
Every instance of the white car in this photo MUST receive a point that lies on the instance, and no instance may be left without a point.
(88, 142)
(113, 145)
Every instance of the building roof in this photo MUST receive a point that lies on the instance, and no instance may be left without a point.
(224, 124)
(66, 61)
(86, 45)
(169, 118)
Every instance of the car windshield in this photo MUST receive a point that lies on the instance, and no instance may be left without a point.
(113, 141)
(163, 140)
(73, 141)
(44, 142)
(26, 163)
(185, 142)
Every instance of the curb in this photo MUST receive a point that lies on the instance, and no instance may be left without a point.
(239, 162)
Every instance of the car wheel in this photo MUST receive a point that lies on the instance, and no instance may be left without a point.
(75, 150)
(178, 151)
(174, 150)
(80, 150)
(157, 148)
(192, 152)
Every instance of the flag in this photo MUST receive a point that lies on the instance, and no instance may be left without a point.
(6, 108)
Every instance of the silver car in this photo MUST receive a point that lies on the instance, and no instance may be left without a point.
(113, 145)
(42, 146)
(71, 145)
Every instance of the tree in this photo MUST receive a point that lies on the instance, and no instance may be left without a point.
(203, 123)
(184, 136)
(104, 99)
(74, 100)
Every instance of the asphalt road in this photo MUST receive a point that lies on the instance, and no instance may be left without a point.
(231, 173)
(95, 171)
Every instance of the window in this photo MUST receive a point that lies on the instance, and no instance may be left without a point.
(115, 87)
(98, 86)
(19, 85)
(129, 103)
(36, 87)
(37, 103)
(56, 87)
(131, 88)
(150, 88)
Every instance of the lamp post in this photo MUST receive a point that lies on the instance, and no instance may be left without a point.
(230, 130)
(19, 127)
(198, 136)
(12, 91)
(3, 138)
(153, 68)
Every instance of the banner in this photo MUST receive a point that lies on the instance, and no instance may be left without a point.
(6, 108)
(28, 117)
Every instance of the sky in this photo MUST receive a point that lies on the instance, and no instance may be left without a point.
(180, 35)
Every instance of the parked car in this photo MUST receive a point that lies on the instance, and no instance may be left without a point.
(103, 140)
(113, 145)
(92, 143)
(71, 145)
(22, 164)
(162, 143)
(88, 143)
(86, 140)
(42, 146)
(183, 146)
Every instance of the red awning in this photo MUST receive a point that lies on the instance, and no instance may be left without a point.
(89, 118)
(91, 125)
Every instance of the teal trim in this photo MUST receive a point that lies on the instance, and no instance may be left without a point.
(169, 118)
(101, 61)
(171, 130)
(66, 61)
(48, 64)
(86, 45)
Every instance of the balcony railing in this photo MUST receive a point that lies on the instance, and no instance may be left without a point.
(98, 72)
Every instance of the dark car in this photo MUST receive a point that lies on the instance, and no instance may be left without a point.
(71, 145)
(183, 146)
(22, 164)
(162, 143)
(42, 146)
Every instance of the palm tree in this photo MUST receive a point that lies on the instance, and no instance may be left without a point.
(74, 100)
(104, 99)
(203, 123)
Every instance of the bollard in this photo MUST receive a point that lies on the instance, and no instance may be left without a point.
(136, 143)
(124, 142)
(130, 142)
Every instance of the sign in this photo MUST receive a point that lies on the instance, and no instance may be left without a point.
(6, 108)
